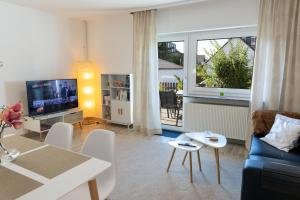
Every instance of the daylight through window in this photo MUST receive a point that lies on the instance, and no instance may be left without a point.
(225, 63)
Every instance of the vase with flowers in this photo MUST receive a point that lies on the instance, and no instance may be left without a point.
(10, 117)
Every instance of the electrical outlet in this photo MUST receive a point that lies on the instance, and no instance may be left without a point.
(1, 64)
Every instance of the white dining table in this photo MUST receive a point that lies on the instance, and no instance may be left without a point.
(60, 185)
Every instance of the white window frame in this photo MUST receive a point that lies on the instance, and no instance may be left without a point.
(190, 51)
(229, 93)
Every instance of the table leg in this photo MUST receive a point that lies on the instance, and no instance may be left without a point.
(199, 161)
(171, 159)
(184, 158)
(191, 167)
(93, 189)
(218, 164)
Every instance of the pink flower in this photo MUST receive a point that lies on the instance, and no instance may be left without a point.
(12, 115)
(17, 107)
(17, 124)
(5, 116)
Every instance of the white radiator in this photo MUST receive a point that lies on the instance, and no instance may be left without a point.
(231, 121)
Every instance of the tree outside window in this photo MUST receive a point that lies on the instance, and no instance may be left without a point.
(225, 63)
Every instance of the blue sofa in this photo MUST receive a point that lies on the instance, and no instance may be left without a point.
(270, 173)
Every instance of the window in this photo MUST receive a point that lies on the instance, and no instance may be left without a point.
(213, 63)
(171, 62)
(225, 63)
(170, 65)
(170, 54)
(220, 63)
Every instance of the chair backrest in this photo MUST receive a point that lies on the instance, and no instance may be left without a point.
(167, 98)
(101, 144)
(60, 135)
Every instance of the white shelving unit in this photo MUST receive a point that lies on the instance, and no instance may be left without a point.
(117, 95)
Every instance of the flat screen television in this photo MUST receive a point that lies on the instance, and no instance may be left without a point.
(49, 96)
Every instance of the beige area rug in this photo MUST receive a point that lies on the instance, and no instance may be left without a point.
(14, 185)
(141, 172)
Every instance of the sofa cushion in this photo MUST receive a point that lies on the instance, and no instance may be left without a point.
(261, 148)
(262, 120)
(284, 133)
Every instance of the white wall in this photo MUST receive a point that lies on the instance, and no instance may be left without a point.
(35, 45)
(111, 42)
(111, 37)
(208, 15)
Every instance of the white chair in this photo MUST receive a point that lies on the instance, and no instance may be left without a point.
(99, 144)
(60, 135)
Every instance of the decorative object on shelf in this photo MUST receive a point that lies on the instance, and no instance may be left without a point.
(127, 82)
(107, 112)
(118, 83)
(11, 116)
(107, 84)
(213, 139)
(122, 95)
(107, 100)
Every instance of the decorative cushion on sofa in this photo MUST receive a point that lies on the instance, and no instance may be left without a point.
(263, 120)
(284, 133)
(261, 148)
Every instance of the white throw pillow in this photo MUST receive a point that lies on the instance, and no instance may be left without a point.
(284, 133)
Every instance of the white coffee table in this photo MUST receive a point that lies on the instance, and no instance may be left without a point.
(202, 137)
(195, 148)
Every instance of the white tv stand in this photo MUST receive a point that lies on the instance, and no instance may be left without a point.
(43, 123)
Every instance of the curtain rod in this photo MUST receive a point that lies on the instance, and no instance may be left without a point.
(141, 10)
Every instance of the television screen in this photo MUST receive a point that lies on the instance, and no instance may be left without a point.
(48, 96)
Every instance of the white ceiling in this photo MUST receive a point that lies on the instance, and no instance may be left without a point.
(80, 7)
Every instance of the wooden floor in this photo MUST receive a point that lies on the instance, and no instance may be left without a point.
(142, 162)
(171, 120)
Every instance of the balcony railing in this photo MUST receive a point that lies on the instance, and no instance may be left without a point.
(167, 86)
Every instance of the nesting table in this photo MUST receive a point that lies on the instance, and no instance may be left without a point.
(203, 138)
(188, 149)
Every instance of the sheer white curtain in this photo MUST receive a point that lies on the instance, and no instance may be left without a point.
(276, 76)
(146, 112)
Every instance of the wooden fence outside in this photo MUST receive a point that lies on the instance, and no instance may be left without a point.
(167, 86)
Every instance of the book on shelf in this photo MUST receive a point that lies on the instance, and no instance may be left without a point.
(122, 95)
(106, 100)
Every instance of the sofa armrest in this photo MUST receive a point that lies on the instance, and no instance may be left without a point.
(270, 180)
(281, 177)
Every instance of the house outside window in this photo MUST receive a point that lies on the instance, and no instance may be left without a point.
(170, 64)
